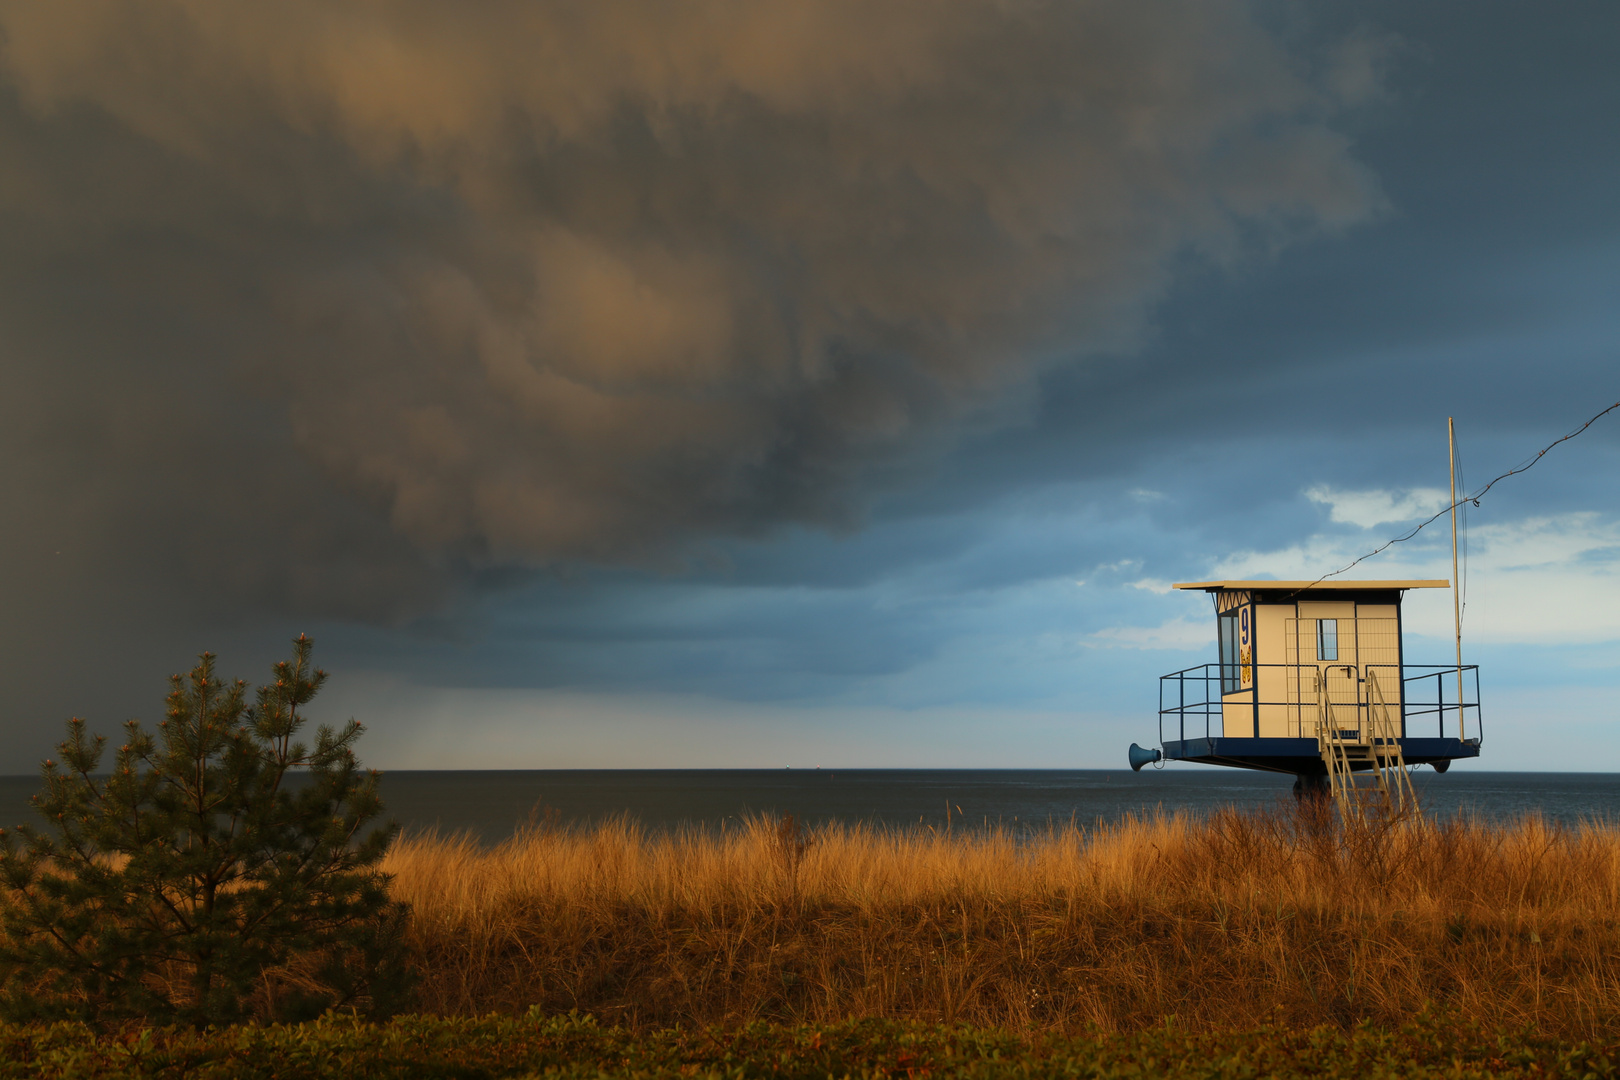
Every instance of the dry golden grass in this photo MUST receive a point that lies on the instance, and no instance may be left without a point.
(1220, 923)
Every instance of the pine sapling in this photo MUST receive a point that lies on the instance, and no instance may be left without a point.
(222, 870)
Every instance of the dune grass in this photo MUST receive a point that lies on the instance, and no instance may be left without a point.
(1223, 923)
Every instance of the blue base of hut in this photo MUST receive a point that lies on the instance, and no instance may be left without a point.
(1302, 757)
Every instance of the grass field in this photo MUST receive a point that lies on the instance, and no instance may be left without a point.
(1238, 945)
(1219, 924)
(568, 1047)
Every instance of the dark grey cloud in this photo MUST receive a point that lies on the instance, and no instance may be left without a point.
(414, 292)
(1486, 292)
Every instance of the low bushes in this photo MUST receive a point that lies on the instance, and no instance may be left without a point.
(570, 1047)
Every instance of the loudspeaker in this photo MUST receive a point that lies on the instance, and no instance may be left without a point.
(1141, 757)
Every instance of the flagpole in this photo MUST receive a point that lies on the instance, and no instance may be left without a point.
(1456, 585)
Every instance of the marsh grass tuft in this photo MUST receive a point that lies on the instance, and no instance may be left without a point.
(1223, 923)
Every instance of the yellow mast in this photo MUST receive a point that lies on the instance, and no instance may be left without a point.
(1456, 586)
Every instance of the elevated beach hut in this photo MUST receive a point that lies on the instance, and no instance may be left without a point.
(1313, 680)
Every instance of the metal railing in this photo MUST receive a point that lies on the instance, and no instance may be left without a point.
(1432, 692)
(1193, 695)
(1190, 698)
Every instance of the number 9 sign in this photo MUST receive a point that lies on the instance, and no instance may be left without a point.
(1246, 652)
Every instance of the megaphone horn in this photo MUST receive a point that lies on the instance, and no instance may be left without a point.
(1141, 757)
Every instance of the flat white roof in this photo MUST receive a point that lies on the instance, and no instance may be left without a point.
(1331, 583)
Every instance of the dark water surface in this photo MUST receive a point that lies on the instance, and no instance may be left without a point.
(491, 804)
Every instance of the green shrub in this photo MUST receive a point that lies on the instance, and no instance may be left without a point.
(572, 1047)
(222, 870)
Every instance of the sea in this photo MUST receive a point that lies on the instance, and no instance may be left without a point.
(491, 805)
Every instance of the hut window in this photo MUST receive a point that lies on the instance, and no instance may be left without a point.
(1230, 637)
(1327, 639)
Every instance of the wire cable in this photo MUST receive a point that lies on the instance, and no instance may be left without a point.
(1463, 501)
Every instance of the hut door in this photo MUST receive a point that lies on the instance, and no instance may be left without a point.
(1323, 648)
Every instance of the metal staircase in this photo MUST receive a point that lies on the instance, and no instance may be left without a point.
(1361, 750)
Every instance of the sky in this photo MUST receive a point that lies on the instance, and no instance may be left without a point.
(795, 382)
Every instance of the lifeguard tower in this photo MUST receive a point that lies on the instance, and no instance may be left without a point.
(1313, 680)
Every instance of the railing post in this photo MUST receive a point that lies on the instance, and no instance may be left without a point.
(1479, 731)
(1440, 702)
(1354, 675)
(1181, 711)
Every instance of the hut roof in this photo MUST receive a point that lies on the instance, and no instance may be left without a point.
(1214, 586)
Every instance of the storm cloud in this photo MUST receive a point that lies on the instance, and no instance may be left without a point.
(329, 307)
